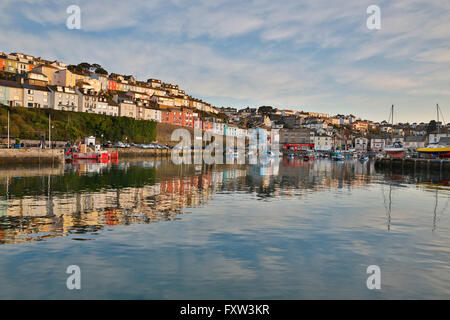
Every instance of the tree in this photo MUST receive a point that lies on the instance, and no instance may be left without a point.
(432, 126)
(84, 66)
(101, 71)
(265, 110)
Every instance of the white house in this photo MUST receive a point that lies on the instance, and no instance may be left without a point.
(361, 144)
(63, 98)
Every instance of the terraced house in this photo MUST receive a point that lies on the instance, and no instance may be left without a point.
(63, 98)
(11, 93)
(35, 96)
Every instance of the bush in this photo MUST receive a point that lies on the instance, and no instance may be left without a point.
(70, 126)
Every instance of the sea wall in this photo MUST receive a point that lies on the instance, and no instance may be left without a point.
(31, 156)
(140, 153)
(414, 164)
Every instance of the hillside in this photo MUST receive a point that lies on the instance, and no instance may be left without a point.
(27, 123)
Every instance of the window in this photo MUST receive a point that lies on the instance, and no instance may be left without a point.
(30, 92)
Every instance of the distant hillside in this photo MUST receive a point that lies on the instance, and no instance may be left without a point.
(29, 123)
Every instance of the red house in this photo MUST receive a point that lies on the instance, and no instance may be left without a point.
(112, 85)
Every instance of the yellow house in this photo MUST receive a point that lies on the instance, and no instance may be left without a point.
(66, 78)
(49, 71)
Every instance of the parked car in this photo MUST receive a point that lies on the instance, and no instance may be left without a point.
(120, 144)
(108, 144)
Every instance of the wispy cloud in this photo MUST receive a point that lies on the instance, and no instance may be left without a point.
(314, 55)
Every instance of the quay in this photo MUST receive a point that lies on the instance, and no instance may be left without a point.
(139, 153)
(413, 164)
(32, 155)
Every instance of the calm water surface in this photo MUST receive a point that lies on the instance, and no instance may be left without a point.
(289, 230)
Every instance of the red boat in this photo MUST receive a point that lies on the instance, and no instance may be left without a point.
(71, 154)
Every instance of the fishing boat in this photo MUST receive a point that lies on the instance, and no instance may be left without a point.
(396, 150)
(73, 154)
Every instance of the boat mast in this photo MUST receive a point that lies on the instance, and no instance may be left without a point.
(392, 122)
(438, 127)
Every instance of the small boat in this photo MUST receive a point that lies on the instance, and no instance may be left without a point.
(337, 156)
(310, 155)
(363, 158)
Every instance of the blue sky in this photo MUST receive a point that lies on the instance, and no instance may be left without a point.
(306, 55)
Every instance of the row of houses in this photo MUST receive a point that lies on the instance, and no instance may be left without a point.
(32, 91)
(59, 74)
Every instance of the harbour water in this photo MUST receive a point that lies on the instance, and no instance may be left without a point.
(287, 230)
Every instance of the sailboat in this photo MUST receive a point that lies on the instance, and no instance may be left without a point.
(395, 150)
(436, 150)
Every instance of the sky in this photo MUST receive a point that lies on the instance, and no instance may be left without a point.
(292, 54)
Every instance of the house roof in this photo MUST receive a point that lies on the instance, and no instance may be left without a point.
(444, 140)
(415, 139)
(9, 83)
(33, 87)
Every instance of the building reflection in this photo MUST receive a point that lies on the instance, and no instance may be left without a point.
(36, 204)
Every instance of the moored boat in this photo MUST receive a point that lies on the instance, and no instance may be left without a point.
(435, 151)
(337, 156)
(363, 158)
(396, 150)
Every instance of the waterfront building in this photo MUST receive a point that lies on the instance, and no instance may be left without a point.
(377, 143)
(322, 143)
(436, 137)
(415, 142)
(296, 139)
(361, 144)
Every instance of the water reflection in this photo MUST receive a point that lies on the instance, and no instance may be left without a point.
(85, 198)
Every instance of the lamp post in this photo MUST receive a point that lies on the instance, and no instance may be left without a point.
(8, 129)
(49, 131)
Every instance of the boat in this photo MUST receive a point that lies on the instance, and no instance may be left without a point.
(395, 150)
(435, 150)
(73, 154)
(337, 156)
(363, 158)
(310, 155)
